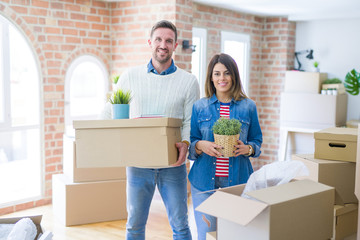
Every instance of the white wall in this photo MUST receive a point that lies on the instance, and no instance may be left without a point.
(336, 45)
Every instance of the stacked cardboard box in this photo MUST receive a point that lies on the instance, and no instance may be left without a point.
(93, 186)
(333, 164)
(297, 108)
(87, 195)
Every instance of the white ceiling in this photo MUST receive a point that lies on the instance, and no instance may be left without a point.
(295, 10)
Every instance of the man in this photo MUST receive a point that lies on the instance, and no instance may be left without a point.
(160, 88)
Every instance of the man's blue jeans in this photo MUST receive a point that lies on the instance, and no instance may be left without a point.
(171, 182)
(204, 222)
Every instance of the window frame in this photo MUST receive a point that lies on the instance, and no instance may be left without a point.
(244, 38)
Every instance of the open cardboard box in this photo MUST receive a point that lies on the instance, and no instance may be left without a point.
(338, 174)
(297, 210)
(304, 82)
(77, 174)
(336, 144)
(144, 142)
(41, 233)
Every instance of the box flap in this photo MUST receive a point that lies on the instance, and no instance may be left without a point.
(337, 134)
(289, 191)
(340, 210)
(121, 123)
(36, 219)
(242, 210)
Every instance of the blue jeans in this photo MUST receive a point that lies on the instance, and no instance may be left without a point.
(204, 222)
(172, 185)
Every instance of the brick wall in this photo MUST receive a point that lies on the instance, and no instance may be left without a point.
(117, 34)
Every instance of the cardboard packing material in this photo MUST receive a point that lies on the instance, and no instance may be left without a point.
(297, 210)
(41, 233)
(144, 142)
(299, 110)
(345, 221)
(211, 235)
(357, 178)
(88, 202)
(304, 82)
(336, 144)
(86, 174)
(338, 174)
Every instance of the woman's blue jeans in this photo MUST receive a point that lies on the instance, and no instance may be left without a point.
(140, 188)
(204, 222)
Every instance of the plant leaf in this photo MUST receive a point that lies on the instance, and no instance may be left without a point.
(352, 82)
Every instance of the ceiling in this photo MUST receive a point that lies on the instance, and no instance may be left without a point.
(295, 10)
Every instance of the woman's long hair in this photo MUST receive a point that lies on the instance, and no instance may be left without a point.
(236, 91)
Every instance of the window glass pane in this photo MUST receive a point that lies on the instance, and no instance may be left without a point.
(87, 90)
(24, 83)
(237, 55)
(19, 165)
(195, 58)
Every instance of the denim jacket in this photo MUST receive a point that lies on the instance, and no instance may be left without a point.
(205, 112)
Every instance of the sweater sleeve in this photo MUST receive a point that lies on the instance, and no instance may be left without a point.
(193, 94)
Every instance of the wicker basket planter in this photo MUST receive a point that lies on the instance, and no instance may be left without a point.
(227, 142)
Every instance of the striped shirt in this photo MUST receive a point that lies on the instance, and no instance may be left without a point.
(222, 163)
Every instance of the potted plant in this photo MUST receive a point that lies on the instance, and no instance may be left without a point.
(120, 101)
(226, 133)
(352, 82)
(334, 83)
(114, 80)
(316, 66)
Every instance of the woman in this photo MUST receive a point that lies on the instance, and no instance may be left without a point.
(225, 97)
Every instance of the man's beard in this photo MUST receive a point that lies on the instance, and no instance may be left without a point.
(161, 60)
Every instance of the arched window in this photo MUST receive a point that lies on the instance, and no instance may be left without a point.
(85, 90)
(20, 144)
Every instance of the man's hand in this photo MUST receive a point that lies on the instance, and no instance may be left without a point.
(183, 149)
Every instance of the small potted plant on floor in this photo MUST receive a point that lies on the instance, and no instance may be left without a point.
(120, 101)
(226, 133)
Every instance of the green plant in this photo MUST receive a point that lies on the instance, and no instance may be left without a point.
(316, 64)
(115, 78)
(120, 97)
(352, 82)
(332, 81)
(225, 126)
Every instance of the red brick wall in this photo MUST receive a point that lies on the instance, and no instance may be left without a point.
(117, 34)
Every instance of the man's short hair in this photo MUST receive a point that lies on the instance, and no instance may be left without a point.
(164, 24)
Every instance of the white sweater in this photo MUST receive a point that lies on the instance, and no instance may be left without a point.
(171, 95)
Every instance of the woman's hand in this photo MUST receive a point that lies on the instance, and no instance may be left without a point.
(209, 148)
(241, 149)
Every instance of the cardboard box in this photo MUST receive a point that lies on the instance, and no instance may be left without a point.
(336, 144)
(338, 174)
(304, 82)
(357, 177)
(297, 210)
(211, 235)
(315, 111)
(146, 142)
(86, 174)
(41, 233)
(345, 221)
(88, 202)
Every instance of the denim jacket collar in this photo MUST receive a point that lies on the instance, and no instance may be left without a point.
(214, 99)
